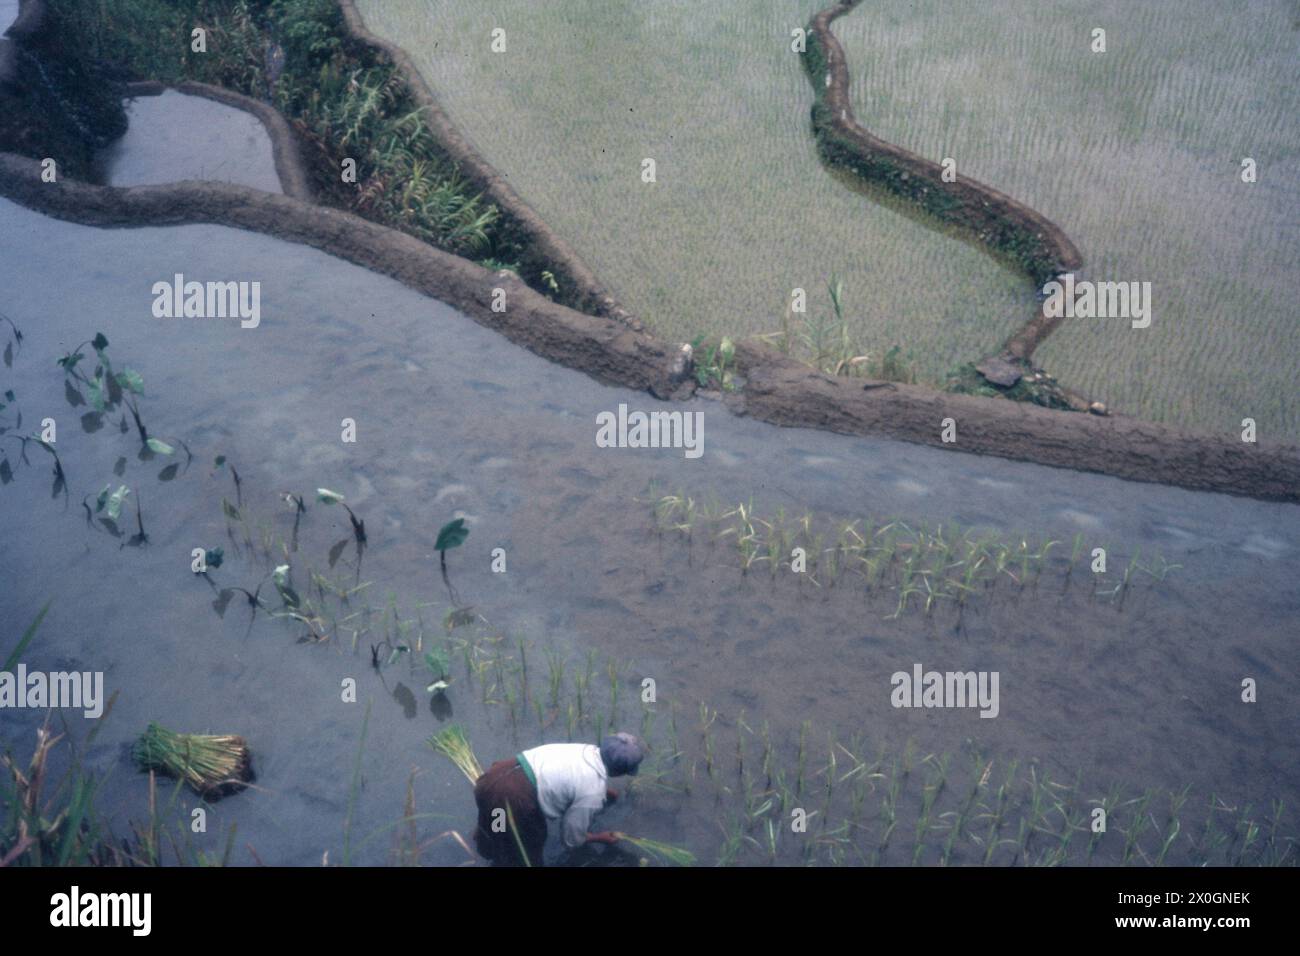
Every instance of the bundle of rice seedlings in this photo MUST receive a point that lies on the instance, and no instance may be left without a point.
(663, 852)
(451, 743)
(214, 765)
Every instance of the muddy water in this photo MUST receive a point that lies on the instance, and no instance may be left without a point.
(451, 419)
(174, 137)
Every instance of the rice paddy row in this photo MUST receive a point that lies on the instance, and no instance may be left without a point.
(917, 566)
(729, 789)
(774, 797)
(743, 211)
(1137, 153)
(815, 799)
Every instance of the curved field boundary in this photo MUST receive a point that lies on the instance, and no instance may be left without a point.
(592, 296)
(289, 165)
(602, 346)
(1040, 246)
(778, 389)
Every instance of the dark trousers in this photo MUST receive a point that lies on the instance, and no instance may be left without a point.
(506, 796)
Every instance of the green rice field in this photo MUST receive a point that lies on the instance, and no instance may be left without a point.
(1136, 153)
(742, 211)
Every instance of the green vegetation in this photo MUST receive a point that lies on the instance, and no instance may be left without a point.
(912, 567)
(1136, 153)
(742, 212)
(857, 805)
(715, 363)
(827, 342)
(663, 852)
(67, 104)
(451, 535)
(1029, 252)
(1035, 387)
(734, 789)
(344, 101)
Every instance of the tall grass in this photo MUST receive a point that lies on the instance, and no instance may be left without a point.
(344, 102)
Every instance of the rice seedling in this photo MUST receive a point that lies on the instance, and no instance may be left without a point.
(1137, 825)
(1076, 548)
(888, 814)
(996, 814)
(25, 641)
(929, 794)
(662, 852)
(1032, 821)
(706, 723)
(555, 676)
(213, 765)
(767, 754)
(733, 843)
(523, 670)
(1129, 569)
(1246, 833)
(354, 787)
(452, 744)
(1212, 838)
(510, 703)
(1174, 827)
(801, 759)
(613, 691)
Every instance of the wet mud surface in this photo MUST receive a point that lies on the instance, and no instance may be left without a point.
(454, 420)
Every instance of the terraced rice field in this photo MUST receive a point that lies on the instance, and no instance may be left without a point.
(742, 211)
(1136, 153)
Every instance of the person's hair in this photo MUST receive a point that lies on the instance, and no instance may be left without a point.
(620, 739)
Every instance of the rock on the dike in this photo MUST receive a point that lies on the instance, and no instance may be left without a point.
(1000, 372)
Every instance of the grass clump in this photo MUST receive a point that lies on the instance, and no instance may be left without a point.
(213, 764)
(1034, 386)
(826, 342)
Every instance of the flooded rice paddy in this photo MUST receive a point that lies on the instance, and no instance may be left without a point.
(173, 137)
(454, 421)
(1137, 154)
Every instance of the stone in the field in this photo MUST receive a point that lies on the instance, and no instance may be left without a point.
(1000, 372)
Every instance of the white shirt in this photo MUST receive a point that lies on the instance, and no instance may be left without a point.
(571, 781)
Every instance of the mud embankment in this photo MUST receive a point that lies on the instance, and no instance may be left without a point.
(1009, 227)
(603, 347)
(777, 390)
